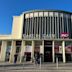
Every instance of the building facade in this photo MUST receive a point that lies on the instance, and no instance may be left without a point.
(47, 32)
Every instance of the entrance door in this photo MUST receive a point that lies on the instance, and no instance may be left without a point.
(48, 51)
(28, 56)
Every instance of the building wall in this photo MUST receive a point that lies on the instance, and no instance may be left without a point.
(46, 24)
(40, 25)
(17, 27)
(3, 37)
(35, 24)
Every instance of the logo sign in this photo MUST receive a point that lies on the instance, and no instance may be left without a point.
(64, 35)
(38, 36)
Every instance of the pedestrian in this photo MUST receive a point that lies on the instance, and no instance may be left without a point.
(38, 58)
(15, 58)
(35, 58)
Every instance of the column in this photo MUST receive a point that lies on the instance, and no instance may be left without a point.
(58, 25)
(35, 27)
(3, 50)
(40, 27)
(43, 49)
(53, 52)
(63, 47)
(32, 53)
(43, 46)
(13, 50)
(22, 50)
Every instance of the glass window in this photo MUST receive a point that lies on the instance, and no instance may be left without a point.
(58, 50)
(68, 51)
(54, 25)
(51, 24)
(65, 24)
(70, 29)
(46, 26)
(8, 49)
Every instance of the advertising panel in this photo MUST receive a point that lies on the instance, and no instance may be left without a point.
(56, 49)
(41, 49)
(68, 49)
(60, 49)
(28, 48)
(64, 35)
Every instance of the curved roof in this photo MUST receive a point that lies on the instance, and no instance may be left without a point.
(61, 11)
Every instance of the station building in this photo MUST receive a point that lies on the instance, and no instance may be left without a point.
(47, 32)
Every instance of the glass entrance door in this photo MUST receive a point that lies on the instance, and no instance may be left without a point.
(47, 51)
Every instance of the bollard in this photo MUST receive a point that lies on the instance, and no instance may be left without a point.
(34, 62)
(40, 62)
(57, 63)
(24, 61)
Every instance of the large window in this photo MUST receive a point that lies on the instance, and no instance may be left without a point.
(8, 49)
(68, 51)
(58, 50)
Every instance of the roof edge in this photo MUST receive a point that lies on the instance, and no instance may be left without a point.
(51, 10)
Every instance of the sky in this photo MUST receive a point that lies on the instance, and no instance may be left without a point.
(10, 8)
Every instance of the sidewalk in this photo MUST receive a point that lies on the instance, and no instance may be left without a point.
(30, 67)
(30, 64)
(14, 64)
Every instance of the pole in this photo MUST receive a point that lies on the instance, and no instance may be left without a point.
(24, 60)
(40, 62)
(57, 63)
(34, 61)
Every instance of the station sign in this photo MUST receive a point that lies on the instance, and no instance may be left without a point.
(38, 36)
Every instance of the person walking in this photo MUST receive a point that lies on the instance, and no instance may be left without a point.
(15, 58)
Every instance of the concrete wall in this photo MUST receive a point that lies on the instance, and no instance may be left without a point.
(17, 27)
(3, 37)
(3, 51)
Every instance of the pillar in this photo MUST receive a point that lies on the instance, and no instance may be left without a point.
(43, 49)
(43, 46)
(63, 48)
(32, 53)
(12, 53)
(22, 50)
(53, 52)
(3, 50)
